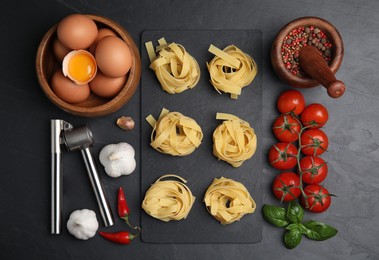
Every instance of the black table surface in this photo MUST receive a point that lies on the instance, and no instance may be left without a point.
(353, 130)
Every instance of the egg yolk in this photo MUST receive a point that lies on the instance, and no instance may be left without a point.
(82, 67)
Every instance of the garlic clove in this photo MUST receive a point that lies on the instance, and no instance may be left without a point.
(125, 122)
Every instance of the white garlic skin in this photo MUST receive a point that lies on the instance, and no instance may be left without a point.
(83, 224)
(118, 159)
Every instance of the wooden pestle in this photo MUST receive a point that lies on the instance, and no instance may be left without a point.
(316, 67)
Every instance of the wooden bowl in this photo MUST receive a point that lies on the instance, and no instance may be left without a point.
(94, 106)
(276, 53)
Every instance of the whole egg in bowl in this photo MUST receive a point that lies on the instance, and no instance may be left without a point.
(68, 90)
(77, 31)
(105, 86)
(103, 32)
(113, 56)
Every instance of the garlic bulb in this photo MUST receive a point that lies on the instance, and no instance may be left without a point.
(118, 159)
(83, 224)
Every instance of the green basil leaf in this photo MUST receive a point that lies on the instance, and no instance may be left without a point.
(319, 231)
(295, 212)
(292, 238)
(293, 226)
(302, 229)
(298, 226)
(275, 215)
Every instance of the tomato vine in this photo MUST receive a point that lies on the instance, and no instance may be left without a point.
(311, 141)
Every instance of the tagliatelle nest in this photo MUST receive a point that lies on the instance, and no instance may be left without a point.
(168, 199)
(174, 67)
(228, 200)
(234, 141)
(174, 133)
(231, 70)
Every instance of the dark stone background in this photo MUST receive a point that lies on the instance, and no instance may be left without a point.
(25, 112)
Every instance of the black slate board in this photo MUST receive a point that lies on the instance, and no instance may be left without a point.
(201, 167)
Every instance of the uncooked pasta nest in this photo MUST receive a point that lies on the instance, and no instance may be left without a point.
(234, 141)
(168, 199)
(231, 70)
(228, 200)
(174, 67)
(174, 133)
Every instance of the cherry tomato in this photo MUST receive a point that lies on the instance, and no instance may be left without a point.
(282, 156)
(290, 100)
(318, 198)
(315, 141)
(315, 115)
(286, 129)
(314, 169)
(286, 186)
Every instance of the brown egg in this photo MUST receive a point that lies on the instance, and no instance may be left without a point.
(67, 90)
(113, 56)
(77, 31)
(105, 86)
(104, 32)
(60, 50)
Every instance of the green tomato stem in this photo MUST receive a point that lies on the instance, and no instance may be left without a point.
(302, 128)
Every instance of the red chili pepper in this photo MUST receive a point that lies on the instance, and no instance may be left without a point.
(122, 206)
(120, 237)
(123, 209)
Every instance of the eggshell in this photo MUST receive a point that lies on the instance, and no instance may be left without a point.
(113, 56)
(67, 90)
(77, 31)
(103, 32)
(60, 51)
(105, 86)
(87, 68)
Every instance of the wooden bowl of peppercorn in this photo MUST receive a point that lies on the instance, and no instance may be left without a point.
(286, 53)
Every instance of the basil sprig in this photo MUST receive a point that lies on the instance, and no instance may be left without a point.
(291, 219)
